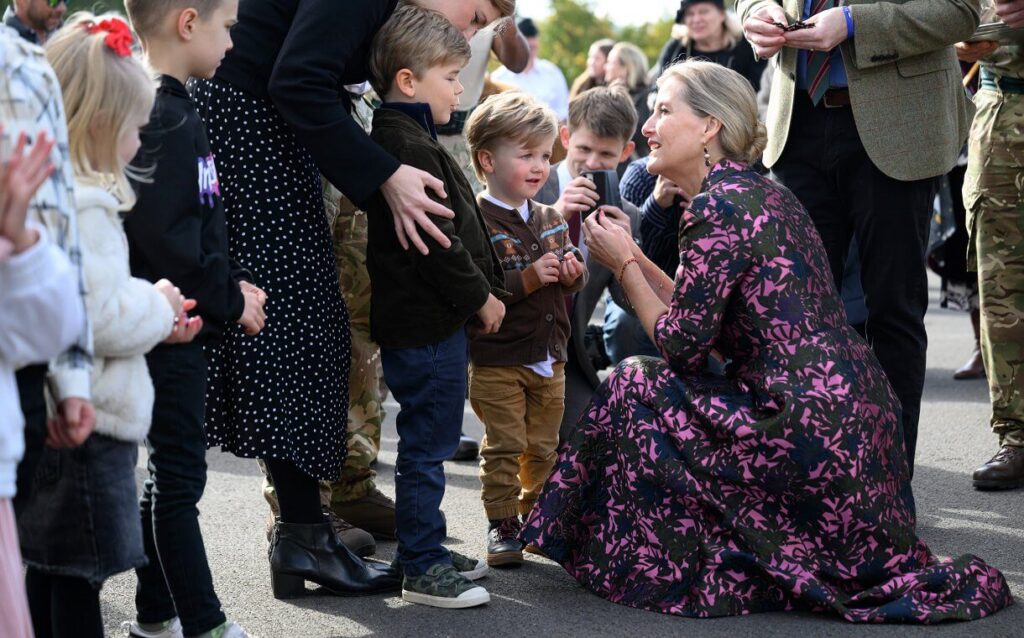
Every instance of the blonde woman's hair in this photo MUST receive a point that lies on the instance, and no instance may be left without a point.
(417, 39)
(710, 89)
(512, 116)
(101, 89)
(635, 62)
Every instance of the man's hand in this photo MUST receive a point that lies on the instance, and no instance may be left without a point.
(766, 38)
(665, 193)
(618, 217)
(570, 270)
(72, 425)
(578, 197)
(828, 31)
(491, 315)
(1011, 12)
(406, 195)
(540, 273)
(971, 52)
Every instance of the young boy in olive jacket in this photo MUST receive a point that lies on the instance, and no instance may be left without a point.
(517, 383)
(420, 305)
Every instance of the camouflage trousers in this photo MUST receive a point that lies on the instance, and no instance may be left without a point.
(994, 198)
(365, 414)
(456, 145)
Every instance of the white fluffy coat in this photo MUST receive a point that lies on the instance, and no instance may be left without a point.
(129, 317)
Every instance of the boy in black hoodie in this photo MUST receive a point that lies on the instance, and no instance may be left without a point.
(420, 304)
(177, 229)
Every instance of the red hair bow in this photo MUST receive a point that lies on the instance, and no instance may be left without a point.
(119, 37)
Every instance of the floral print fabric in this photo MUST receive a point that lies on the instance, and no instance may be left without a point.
(782, 485)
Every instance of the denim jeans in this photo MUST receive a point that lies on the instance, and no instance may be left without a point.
(177, 581)
(429, 383)
(624, 335)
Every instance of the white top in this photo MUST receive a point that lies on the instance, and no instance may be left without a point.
(543, 81)
(472, 75)
(543, 368)
(129, 317)
(40, 316)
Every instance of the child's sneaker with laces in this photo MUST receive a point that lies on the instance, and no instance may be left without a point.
(172, 629)
(442, 586)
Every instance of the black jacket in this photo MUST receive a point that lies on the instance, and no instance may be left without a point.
(739, 58)
(421, 299)
(299, 54)
(176, 230)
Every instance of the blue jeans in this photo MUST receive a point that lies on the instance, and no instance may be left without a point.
(177, 581)
(624, 335)
(429, 383)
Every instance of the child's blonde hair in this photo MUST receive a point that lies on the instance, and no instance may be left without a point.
(102, 88)
(510, 116)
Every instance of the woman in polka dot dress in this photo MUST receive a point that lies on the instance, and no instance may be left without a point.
(277, 117)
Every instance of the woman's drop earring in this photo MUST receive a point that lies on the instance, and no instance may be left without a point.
(707, 157)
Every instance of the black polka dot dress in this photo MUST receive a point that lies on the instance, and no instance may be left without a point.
(283, 394)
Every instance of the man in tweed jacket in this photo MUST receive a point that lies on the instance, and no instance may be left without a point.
(866, 108)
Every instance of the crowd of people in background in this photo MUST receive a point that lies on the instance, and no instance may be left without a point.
(236, 224)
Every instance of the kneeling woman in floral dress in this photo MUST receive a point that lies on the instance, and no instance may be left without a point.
(784, 484)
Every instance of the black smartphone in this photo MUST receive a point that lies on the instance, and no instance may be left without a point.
(607, 187)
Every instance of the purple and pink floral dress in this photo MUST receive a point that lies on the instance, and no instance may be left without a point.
(784, 484)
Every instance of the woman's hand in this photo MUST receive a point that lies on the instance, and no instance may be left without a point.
(406, 195)
(607, 242)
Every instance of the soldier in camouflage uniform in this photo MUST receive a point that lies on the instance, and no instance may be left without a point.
(994, 199)
(359, 511)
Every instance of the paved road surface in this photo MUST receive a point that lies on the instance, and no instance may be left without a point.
(541, 601)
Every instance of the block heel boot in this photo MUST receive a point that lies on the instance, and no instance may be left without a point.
(300, 553)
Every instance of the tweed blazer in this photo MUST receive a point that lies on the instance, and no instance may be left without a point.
(905, 90)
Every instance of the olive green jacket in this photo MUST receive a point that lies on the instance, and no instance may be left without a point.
(905, 88)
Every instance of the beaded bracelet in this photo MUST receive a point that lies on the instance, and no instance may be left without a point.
(622, 270)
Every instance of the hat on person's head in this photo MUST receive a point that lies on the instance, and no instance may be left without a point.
(528, 28)
(686, 4)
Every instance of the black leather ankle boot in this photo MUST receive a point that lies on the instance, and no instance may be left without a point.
(313, 552)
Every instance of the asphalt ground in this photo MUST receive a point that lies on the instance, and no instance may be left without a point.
(540, 600)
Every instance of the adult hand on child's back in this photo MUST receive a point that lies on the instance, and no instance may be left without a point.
(577, 198)
(406, 196)
(569, 270)
(72, 425)
(491, 315)
(253, 316)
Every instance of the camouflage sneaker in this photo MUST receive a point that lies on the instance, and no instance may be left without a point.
(443, 587)
(470, 568)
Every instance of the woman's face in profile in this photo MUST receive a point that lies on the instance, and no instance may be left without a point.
(675, 134)
(704, 20)
(468, 16)
(595, 63)
(614, 69)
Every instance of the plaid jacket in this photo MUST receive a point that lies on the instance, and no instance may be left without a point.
(30, 101)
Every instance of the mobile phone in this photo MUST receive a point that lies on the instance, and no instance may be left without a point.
(607, 187)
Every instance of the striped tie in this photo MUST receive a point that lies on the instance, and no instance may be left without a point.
(818, 62)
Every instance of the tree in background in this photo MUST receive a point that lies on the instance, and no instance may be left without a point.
(568, 32)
